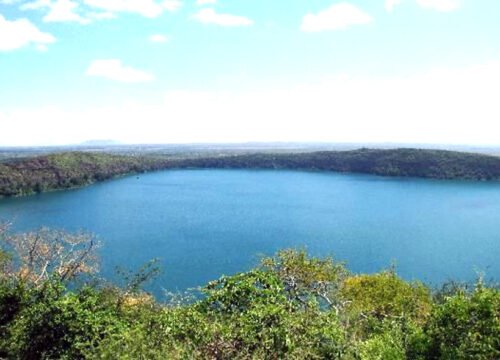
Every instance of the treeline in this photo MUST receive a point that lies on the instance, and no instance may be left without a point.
(66, 170)
(437, 164)
(290, 307)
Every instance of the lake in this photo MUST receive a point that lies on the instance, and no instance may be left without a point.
(205, 223)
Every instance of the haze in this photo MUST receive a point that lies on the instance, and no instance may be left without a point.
(403, 71)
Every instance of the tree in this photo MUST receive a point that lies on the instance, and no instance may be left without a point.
(307, 278)
(386, 296)
(40, 254)
(466, 326)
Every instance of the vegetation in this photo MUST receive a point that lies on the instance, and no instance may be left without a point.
(72, 169)
(290, 307)
(67, 170)
(438, 164)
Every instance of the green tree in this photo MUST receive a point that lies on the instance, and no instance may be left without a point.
(466, 326)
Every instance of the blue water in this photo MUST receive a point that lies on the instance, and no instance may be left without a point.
(205, 223)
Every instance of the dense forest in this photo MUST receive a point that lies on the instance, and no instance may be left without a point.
(72, 169)
(54, 306)
(67, 170)
(438, 164)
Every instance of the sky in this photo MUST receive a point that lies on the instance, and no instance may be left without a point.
(191, 71)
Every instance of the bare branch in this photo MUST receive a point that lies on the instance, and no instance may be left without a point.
(48, 252)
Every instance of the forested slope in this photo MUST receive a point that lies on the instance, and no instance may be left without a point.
(436, 164)
(72, 169)
(67, 170)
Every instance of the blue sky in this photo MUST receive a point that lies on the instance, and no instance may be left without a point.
(179, 71)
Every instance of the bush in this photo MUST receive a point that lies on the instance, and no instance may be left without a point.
(277, 311)
(466, 326)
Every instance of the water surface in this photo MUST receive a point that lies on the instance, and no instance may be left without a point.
(205, 223)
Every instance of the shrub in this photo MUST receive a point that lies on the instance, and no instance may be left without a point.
(466, 326)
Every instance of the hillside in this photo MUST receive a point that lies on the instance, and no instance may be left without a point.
(67, 170)
(437, 164)
(72, 169)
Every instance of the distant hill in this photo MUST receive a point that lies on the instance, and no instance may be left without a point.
(67, 170)
(437, 164)
(73, 169)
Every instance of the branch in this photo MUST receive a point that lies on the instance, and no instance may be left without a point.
(44, 271)
(72, 269)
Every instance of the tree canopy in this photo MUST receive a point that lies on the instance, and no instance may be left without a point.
(292, 306)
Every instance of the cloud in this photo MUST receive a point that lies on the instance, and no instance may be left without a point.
(105, 15)
(444, 105)
(440, 5)
(146, 8)
(20, 33)
(205, 2)
(64, 11)
(158, 38)
(457, 106)
(113, 69)
(41, 47)
(59, 10)
(35, 5)
(336, 17)
(391, 4)
(172, 5)
(210, 16)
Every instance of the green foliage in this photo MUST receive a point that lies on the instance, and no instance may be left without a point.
(68, 170)
(436, 164)
(5, 259)
(386, 296)
(252, 315)
(308, 280)
(51, 323)
(388, 345)
(466, 326)
(239, 293)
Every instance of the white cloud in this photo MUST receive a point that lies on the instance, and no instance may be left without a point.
(146, 8)
(172, 5)
(455, 106)
(336, 17)
(64, 11)
(58, 10)
(19, 33)
(105, 15)
(205, 2)
(35, 5)
(113, 69)
(41, 47)
(440, 5)
(159, 38)
(210, 16)
(391, 4)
